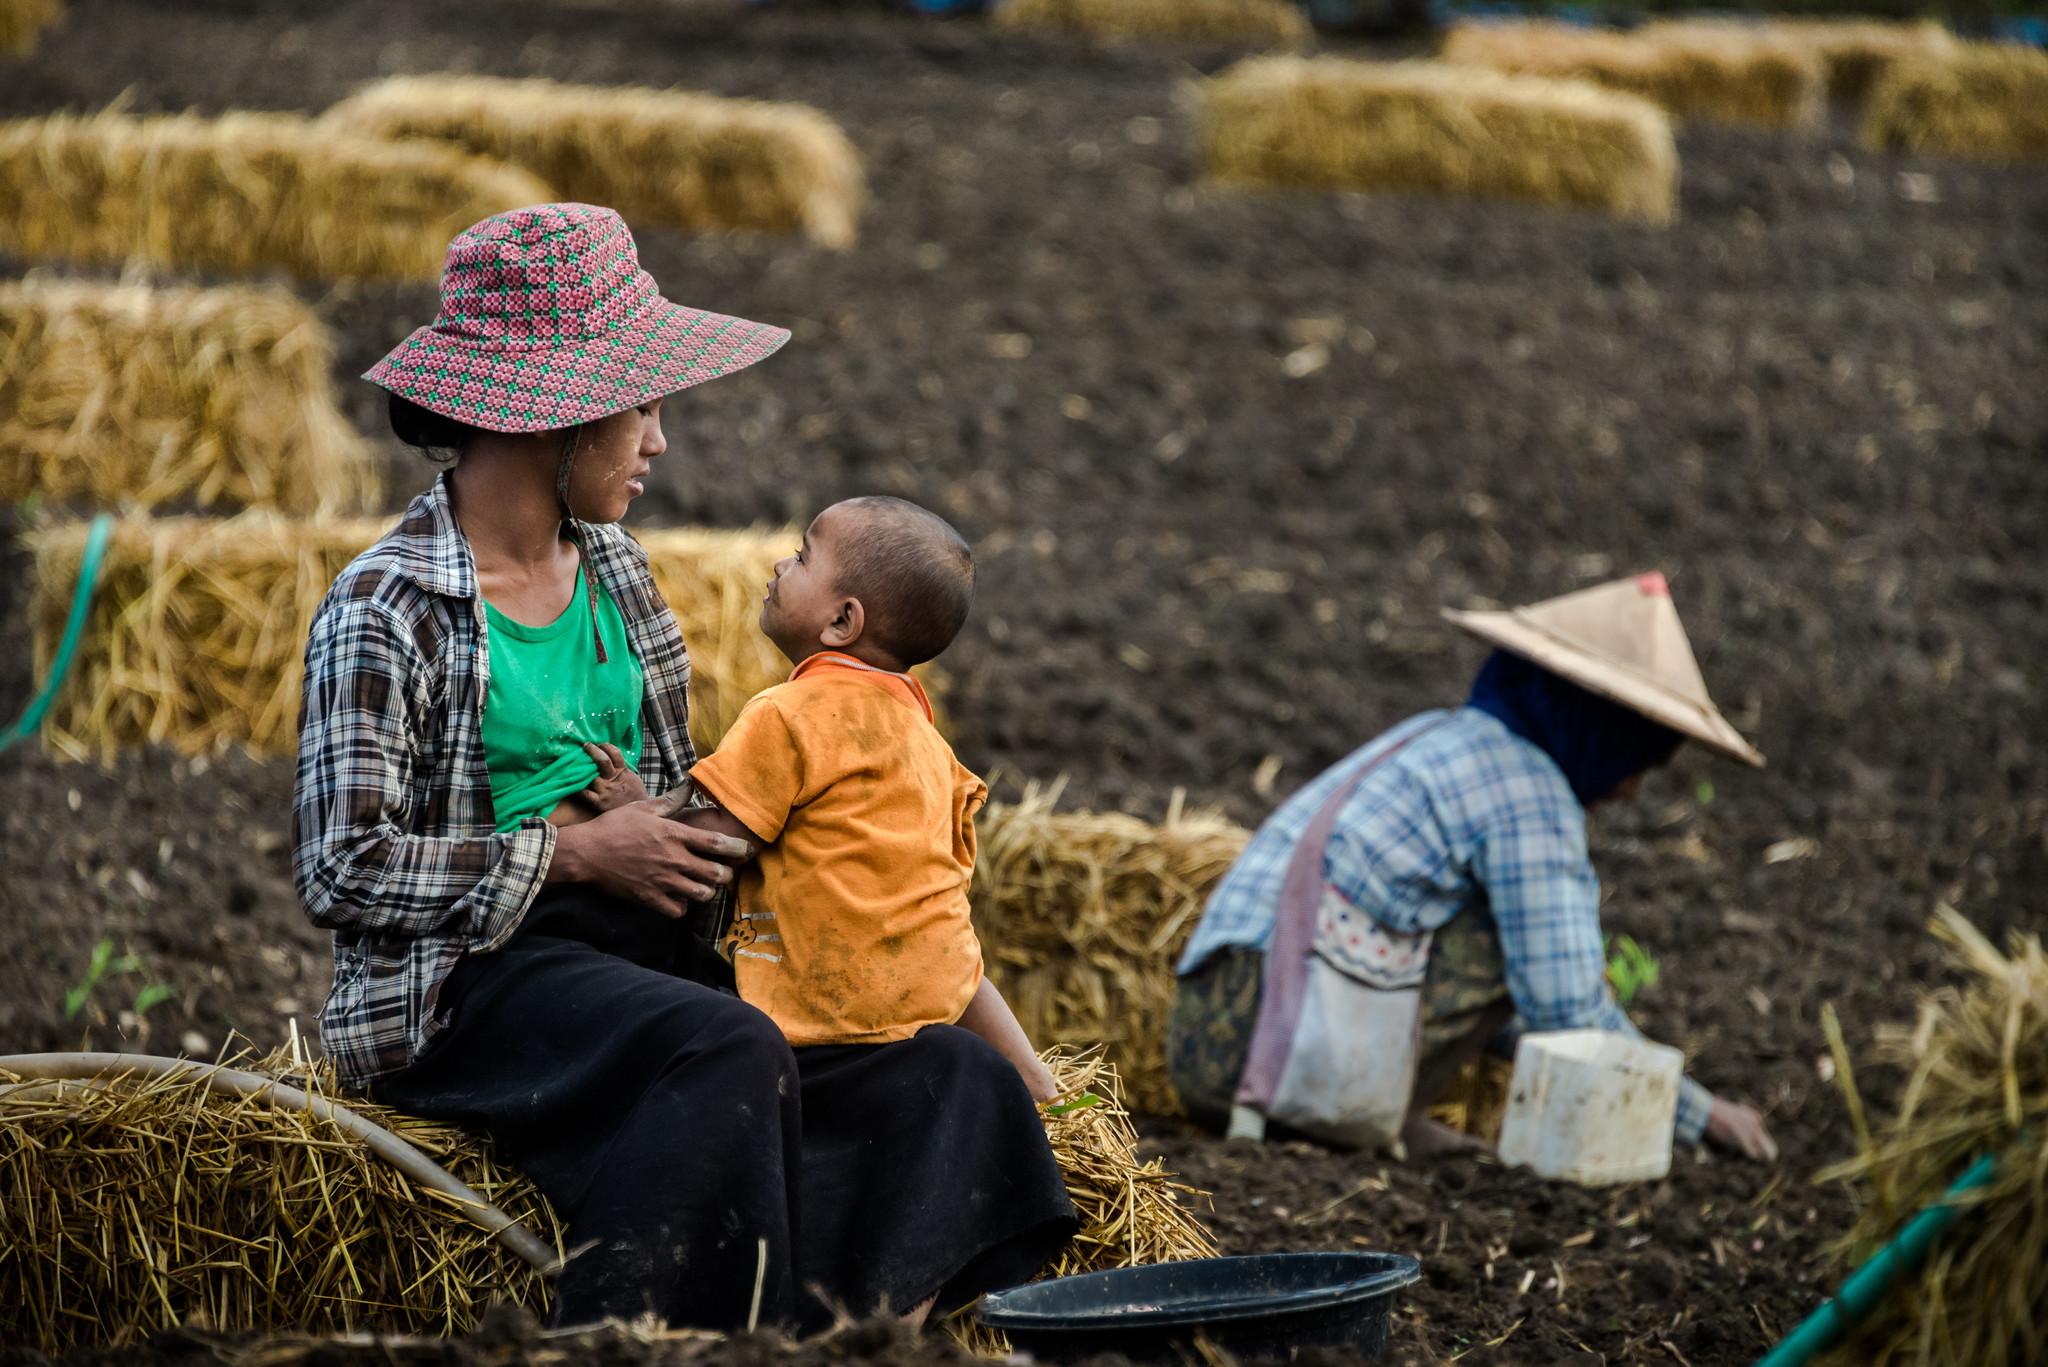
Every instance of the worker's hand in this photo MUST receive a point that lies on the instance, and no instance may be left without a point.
(1739, 1129)
(641, 854)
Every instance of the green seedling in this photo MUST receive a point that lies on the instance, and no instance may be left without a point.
(104, 965)
(1080, 1103)
(1630, 968)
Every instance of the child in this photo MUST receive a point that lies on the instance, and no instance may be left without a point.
(853, 922)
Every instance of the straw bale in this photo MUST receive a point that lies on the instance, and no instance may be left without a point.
(128, 394)
(1854, 51)
(1976, 1067)
(1983, 102)
(1132, 1212)
(244, 192)
(1724, 73)
(665, 156)
(1081, 915)
(1239, 23)
(126, 1209)
(197, 637)
(1424, 126)
(22, 22)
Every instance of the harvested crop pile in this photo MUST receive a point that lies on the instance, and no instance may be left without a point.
(22, 20)
(1244, 23)
(1977, 1067)
(1984, 102)
(1724, 73)
(1132, 1212)
(659, 156)
(128, 394)
(1405, 126)
(198, 634)
(132, 1204)
(244, 192)
(1856, 52)
(1081, 915)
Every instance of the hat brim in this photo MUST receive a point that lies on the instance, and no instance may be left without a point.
(657, 350)
(1700, 721)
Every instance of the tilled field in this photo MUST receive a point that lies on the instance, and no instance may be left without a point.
(1222, 457)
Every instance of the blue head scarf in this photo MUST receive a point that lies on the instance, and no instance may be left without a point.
(1599, 744)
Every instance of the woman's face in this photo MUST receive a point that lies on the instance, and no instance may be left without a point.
(613, 457)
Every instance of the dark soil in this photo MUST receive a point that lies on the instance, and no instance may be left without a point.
(1816, 402)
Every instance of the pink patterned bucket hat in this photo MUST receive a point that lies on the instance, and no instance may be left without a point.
(547, 320)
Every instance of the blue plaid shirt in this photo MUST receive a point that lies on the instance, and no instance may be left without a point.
(1468, 810)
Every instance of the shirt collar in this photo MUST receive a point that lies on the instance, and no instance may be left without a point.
(433, 552)
(904, 686)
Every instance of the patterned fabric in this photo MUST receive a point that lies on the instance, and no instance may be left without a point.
(547, 320)
(1209, 1031)
(1468, 811)
(395, 846)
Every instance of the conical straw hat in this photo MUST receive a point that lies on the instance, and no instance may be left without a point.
(1623, 641)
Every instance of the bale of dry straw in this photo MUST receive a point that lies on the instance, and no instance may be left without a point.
(1724, 73)
(1854, 52)
(131, 395)
(244, 192)
(1133, 1212)
(129, 1208)
(665, 156)
(1976, 1068)
(1422, 126)
(1238, 23)
(22, 21)
(1081, 915)
(197, 636)
(1982, 102)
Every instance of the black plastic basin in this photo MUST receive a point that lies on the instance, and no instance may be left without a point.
(1264, 1305)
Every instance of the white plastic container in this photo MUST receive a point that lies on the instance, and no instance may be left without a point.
(1592, 1106)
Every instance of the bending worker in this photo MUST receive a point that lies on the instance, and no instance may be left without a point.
(1399, 911)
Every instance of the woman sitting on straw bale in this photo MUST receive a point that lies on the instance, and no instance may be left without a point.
(540, 980)
(1393, 916)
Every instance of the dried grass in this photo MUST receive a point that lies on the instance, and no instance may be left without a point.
(197, 636)
(130, 1208)
(663, 156)
(1424, 126)
(1132, 1212)
(1081, 915)
(126, 394)
(1854, 52)
(1240, 23)
(242, 193)
(1982, 102)
(1477, 1099)
(1724, 73)
(1977, 1083)
(23, 21)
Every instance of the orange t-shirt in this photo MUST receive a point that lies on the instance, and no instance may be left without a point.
(853, 924)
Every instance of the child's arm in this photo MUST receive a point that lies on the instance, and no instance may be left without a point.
(716, 818)
(989, 1016)
(615, 784)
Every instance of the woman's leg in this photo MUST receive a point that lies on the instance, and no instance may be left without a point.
(1209, 1032)
(925, 1171)
(661, 1118)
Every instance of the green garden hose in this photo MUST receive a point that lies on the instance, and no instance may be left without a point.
(74, 629)
(1870, 1283)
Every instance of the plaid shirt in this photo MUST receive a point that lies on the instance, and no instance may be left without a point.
(395, 846)
(1468, 812)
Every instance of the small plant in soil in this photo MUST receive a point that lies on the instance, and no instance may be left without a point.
(1630, 968)
(103, 966)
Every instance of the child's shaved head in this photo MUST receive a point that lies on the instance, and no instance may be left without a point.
(912, 573)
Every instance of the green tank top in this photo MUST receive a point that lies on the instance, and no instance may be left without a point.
(548, 694)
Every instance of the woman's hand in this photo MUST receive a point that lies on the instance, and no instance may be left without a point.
(641, 853)
(1739, 1129)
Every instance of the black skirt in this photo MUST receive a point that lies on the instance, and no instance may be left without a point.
(677, 1133)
